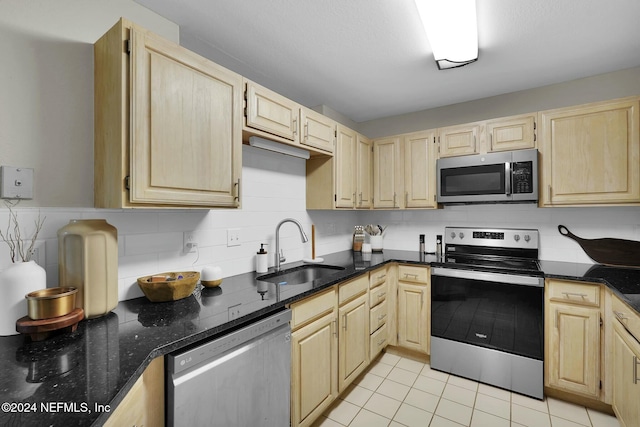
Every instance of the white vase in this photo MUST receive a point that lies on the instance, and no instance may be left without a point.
(16, 282)
(376, 243)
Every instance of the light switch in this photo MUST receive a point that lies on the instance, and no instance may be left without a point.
(17, 183)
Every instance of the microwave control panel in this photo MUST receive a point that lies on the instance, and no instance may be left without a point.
(522, 176)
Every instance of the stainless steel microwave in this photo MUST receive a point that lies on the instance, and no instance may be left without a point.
(505, 177)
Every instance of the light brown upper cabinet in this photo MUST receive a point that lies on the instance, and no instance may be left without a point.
(271, 112)
(168, 124)
(336, 182)
(511, 133)
(387, 174)
(317, 131)
(459, 140)
(590, 154)
(420, 169)
(345, 161)
(364, 159)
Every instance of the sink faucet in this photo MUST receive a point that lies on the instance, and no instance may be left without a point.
(302, 235)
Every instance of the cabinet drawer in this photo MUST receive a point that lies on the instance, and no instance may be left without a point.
(378, 294)
(574, 292)
(311, 308)
(410, 273)
(378, 316)
(627, 316)
(353, 288)
(377, 277)
(378, 341)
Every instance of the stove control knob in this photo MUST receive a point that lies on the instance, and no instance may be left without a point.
(527, 238)
(516, 237)
(461, 235)
(453, 235)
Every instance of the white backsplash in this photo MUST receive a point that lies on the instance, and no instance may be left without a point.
(151, 241)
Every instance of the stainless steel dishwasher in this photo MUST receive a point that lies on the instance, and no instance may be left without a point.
(240, 379)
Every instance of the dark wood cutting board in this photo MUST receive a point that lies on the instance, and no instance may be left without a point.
(619, 252)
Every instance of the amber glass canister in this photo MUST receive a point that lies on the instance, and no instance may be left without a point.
(88, 260)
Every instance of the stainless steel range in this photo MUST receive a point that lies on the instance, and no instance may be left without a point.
(487, 308)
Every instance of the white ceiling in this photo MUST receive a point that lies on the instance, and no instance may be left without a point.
(370, 58)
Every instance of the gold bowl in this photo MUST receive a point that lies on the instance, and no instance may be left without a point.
(51, 302)
(169, 286)
(211, 283)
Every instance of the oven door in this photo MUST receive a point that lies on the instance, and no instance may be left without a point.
(489, 327)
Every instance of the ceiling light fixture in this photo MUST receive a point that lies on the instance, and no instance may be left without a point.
(452, 30)
(267, 144)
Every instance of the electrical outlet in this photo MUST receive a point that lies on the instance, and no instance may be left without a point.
(38, 253)
(234, 311)
(189, 243)
(233, 237)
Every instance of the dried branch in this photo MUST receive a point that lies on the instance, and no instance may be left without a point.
(17, 246)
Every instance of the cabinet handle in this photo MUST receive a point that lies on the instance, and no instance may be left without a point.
(620, 316)
(406, 199)
(575, 294)
(334, 327)
(306, 130)
(382, 341)
(407, 275)
(382, 316)
(394, 199)
(345, 321)
(556, 320)
(381, 277)
(422, 298)
(549, 193)
(295, 126)
(361, 198)
(381, 295)
(474, 143)
(354, 199)
(635, 369)
(237, 185)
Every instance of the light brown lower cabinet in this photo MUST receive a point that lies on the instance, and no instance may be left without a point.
(314, 357)
(573, 337)
(144, 404)
(353, 337)
(414, 294)
(626, 364)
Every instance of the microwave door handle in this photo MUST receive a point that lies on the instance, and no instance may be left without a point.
(507, 178)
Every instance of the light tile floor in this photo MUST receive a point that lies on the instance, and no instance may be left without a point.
(397, 391)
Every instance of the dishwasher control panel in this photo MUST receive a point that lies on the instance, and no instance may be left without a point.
(183, 360)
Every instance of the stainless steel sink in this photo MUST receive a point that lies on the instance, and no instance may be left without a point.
(299, 275)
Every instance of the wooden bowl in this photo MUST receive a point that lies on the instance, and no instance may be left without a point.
(169, 286)
(51, 302)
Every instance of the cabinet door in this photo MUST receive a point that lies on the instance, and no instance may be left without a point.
(318, 131)
(344, 168)
(512, 133)
(363, 172)
(185, 126)
(353, 319)
(459, 140)
(591, 154)
(144, 403)
(626, 385)
(574, 349)
(387, 179)
(313, 369)
(271, 112)
(420, 170)
(413, 317)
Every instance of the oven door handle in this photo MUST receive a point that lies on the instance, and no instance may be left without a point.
(512, 279)
(507, 178)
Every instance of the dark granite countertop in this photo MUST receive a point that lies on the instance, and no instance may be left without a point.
(60, 381)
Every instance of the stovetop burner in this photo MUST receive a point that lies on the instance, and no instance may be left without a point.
(506, 250)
